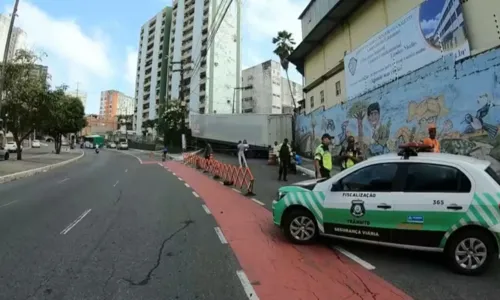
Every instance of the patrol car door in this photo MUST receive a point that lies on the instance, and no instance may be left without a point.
(359, 205)
(436, 197)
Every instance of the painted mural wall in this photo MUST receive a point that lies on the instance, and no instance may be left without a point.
(461, 98)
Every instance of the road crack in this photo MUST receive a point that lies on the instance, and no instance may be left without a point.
(147, 278)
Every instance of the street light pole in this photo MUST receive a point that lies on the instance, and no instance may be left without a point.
(6, 53)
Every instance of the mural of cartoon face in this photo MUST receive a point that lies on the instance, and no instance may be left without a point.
(373, 113)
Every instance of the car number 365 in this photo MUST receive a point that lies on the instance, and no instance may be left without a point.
(438, 202)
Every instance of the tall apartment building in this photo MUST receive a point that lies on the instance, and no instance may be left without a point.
(266, 91)
(82, 95)
(152, 68)
(17, 40)
(115, 103)
(213, 59)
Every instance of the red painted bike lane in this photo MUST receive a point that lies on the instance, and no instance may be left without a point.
(277, 269)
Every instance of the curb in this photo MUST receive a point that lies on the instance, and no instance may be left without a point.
(306, 171)
(28, 173)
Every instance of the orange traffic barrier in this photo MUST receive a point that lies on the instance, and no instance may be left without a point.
(239, 177)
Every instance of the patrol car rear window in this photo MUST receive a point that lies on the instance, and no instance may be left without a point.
(493, 174)
(432, 178)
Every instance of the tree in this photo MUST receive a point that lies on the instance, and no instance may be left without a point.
(65, 115)
(25, 96)
(358, 111)
(169, 124)
(284, 43)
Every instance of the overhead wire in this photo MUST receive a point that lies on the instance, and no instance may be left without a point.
(211, 38)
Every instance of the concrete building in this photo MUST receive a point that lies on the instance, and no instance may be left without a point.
(320, 55)
(82, 95)
(40, 72)
(265, 91)
(213, 60)
(17, 40)
(454, 94)
(152, 68)
(114, 103)
(97, 124)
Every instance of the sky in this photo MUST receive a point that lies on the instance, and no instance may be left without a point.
(430, 14)
(92, 44)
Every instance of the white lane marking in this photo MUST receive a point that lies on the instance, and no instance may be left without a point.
(126, 170)
(220, 182)
(194, 193)
(180, 179)
(114, 185)
(258, 202)
(205, 208)
(61, 181)
(73, 224)
(7, 204)
(174, 174)
(221, 236)
(160, 164)
(236, 190)
(126, 153)
(360, 261)
(247, 286)
(187, 185)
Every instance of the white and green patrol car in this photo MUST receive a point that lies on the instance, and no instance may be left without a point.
(430, 202)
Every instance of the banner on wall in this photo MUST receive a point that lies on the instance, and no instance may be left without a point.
(427, 33)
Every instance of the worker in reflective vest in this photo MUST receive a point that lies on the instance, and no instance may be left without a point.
(323, 158)
(350, 154)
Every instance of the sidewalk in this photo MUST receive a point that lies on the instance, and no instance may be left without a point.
(307, 168)
(33, 163)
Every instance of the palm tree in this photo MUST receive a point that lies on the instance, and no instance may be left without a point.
(284, 46)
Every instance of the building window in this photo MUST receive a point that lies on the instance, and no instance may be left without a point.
(337, 88)
(322, 97)
(312, 101)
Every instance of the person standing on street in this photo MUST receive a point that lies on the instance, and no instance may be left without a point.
(242, 147)
(431, 140)
(323, 158)
(350, 154)
(208, 151)
(285, 153)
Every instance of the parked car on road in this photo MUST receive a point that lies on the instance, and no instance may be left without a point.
(123, 146)
(35, 144)
(427, 201)
(111, 145)
(12, 147)
(4, 154)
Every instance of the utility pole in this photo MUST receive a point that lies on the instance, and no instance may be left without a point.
(5, 58)
(181, 70)
(78, 89)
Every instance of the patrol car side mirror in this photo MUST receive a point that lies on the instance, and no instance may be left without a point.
(336, 187)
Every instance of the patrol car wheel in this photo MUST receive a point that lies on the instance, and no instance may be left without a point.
(471, 252)
(300, 227)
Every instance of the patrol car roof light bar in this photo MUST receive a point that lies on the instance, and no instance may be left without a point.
(412, 149)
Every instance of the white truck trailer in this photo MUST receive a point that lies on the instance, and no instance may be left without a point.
(223, 131)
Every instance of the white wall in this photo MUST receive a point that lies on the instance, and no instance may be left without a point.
(270, 92)
(223, 77)
(287, 96)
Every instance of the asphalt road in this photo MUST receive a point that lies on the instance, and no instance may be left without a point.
(421, 275)
(107, 227)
